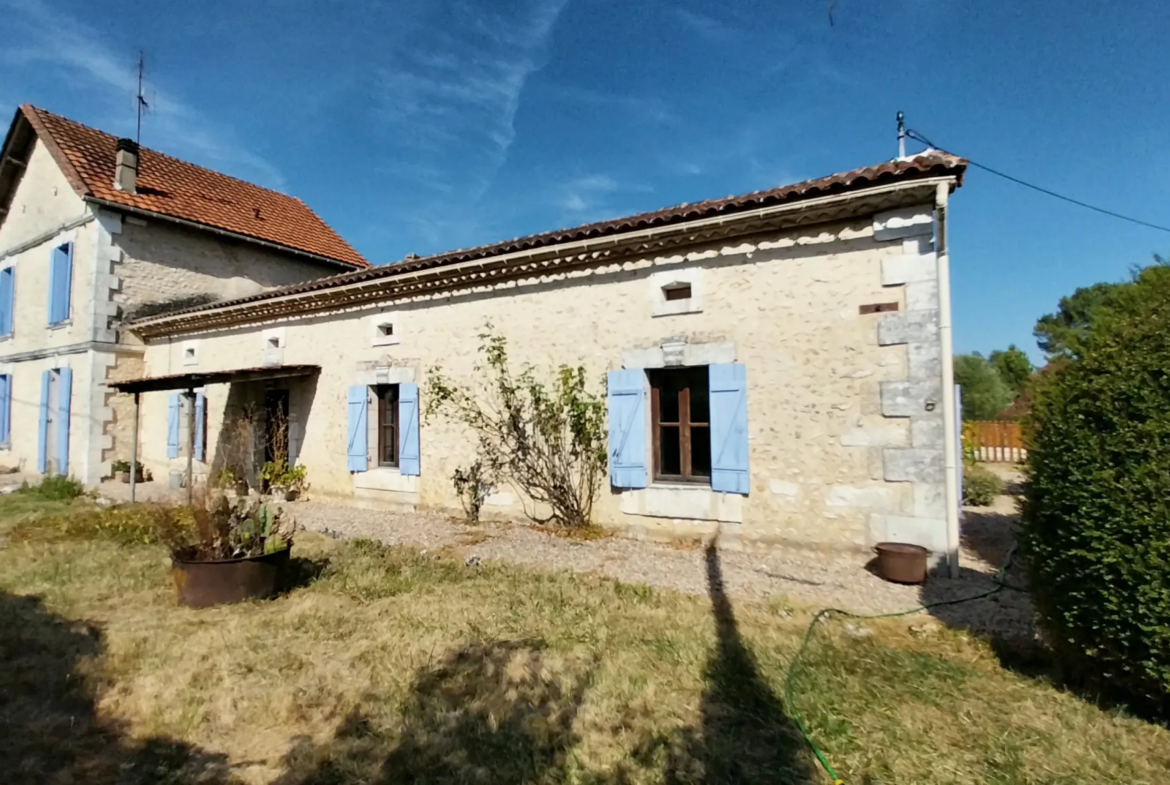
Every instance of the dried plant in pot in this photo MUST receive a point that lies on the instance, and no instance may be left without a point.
(232, 552)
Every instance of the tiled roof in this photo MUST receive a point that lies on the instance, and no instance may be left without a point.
(177, 189)
(931, 163)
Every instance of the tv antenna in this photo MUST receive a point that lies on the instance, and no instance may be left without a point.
(140, 102)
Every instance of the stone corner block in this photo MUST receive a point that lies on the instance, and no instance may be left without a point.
(930, 533)
(904, 398)
(910, 268)
(909, 327)
(913, 464)
(903, 222)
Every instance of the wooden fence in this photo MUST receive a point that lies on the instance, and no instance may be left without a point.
(994, 441)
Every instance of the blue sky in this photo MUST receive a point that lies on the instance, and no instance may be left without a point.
(421, 127)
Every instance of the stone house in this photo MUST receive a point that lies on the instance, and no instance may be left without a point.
(94, 232)
(777, 364)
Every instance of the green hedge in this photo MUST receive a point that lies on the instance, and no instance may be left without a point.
(1096, 512)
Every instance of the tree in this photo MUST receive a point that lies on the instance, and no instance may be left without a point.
(1013, 367)
(1062, 334)
(546, 438)
(985, 394)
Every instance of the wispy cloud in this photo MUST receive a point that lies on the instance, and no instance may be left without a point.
(714, 30)
(54, 40)
(451, 107)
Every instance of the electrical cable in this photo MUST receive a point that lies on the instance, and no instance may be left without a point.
(919, 137)
(824, 613)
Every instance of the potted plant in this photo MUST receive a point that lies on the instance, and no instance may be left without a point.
(122, 470)
(285, 482)
(231, 552)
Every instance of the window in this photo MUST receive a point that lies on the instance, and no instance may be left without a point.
(386, 330)
(5, 410)
(387, 400)
(677, 291)
(7, 276)
(60, 283)
(680, 412)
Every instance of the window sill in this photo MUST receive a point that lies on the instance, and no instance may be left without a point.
(385, 478)
(8, 337)
(686, 501)
(60, 325)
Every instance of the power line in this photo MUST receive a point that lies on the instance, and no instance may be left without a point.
(919, 137)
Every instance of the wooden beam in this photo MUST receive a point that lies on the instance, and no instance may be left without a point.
(14, 161)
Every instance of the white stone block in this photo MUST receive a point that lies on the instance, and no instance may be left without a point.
(903, 222)
(897, 270)
(874, 497)
(677, 501)
(782, 488)
(894, 435)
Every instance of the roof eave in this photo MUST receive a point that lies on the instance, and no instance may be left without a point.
(365, 292)
(348, 266)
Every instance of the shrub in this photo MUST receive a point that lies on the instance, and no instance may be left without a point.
(1096, 509)
(54, 488)
(129, 524)
(544, 437)
(980, 486)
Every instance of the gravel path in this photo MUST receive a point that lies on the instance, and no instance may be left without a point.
(837, 580)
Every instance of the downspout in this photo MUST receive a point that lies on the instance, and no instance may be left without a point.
(946, 347)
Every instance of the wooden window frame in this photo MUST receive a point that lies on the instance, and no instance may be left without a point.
(685, 426)
(386, 396)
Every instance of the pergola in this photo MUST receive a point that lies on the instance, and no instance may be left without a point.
(188, 382)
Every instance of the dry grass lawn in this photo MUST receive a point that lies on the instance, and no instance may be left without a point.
(391, 666)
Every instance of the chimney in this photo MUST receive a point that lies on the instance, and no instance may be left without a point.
(126, 166)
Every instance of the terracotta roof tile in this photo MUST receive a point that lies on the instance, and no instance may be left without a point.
(174, 188)
(931, 163)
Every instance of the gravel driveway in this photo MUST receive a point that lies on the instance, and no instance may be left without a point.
(837, 580)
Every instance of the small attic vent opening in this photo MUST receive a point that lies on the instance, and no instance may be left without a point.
(274, 342)
(189, 352)
(677, 291)
(385, 330)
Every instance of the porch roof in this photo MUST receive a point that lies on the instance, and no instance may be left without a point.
(189, 381)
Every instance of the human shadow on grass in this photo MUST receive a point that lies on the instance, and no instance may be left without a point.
(50, 730)
(499, 712)
(745, 734)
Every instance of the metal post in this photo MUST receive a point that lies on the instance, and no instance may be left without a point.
(134, 451)
(190, 396)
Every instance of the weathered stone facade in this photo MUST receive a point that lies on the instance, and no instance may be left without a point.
(842, 409)
(119, 264)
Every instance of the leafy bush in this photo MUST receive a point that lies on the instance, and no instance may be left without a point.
(54, 488)
(980, 486)
(1097, 499)
(129, 524)
(546, 438)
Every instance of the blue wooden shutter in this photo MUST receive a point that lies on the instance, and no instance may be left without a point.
(626, 400)
(729, 434)
(64, 394)
(200, 413)
(173, 426)
(43, 425)
(60, 283)
(408, 437)
(5, 410)
(356, 436)
(7, 287)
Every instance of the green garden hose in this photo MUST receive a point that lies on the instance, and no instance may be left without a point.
(825, 613)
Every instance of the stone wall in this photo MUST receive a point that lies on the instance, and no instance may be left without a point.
(827, 441)
(161, 262)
